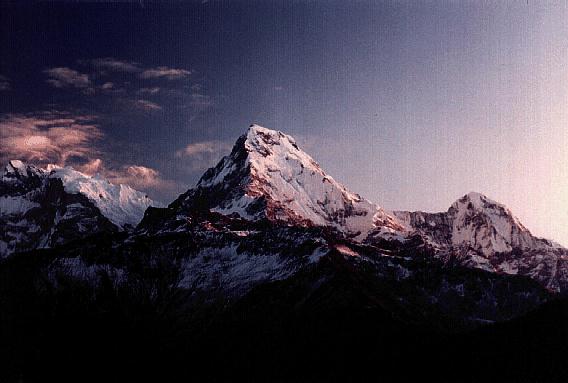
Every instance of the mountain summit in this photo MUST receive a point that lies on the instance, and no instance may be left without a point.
(267, 176)
(474, 222)
(42, 208)
(479, 232)
(488, 226)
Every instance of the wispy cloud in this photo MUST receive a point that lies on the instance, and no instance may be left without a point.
(138, 176)
(147, 105)
(112, 64)
(199, 156)
(199, 148)
(4, 83)
(200, 100)
(48, 137)
(65, 139)
(165, 73)
(130, 84)
(63, 77)
(152, 90)
(91, 167)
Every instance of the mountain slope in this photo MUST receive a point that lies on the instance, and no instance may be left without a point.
(479, 232)
(121, 204)
(48, 207)
(267, 176)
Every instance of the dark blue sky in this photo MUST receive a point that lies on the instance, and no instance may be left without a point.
(410, 104)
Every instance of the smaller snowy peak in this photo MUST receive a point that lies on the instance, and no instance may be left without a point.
(475, 222)
(474, 201)
(16, 167)
(488, 226)
(121, 204)
(17, 170)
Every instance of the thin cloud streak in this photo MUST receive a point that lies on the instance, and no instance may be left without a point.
(147, 105)
(63, 77)
(206, 147)
(165, 73)
(112, 64)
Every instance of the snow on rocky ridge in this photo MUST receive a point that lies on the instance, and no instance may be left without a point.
(489, 226)
(268, 176)
(46, 207)
(481, 233)
(475, 222)
(121, 204)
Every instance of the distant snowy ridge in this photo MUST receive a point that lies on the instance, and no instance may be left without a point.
(475, 221)
(44, 208)
(481, 233)
(121, 204)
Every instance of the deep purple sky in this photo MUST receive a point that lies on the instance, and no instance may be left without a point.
(411, 105)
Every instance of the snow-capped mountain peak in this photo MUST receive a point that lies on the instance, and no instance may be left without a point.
(42, 208)
(17, 170)
(486, 225)
(479, 232)
(267, 176)
(121, 204)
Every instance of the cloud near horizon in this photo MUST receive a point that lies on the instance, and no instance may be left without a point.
(205, 147)
(64, 139)
(139, 177)
(48, 137)
(200, 156)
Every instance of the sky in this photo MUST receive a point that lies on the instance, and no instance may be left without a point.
(410, 104)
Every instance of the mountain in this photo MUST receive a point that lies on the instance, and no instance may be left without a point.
(268, 265)
(479, 232)
(267, 176)
(42, 208)
(268, 211)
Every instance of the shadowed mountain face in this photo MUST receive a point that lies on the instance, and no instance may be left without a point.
(269, 269)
